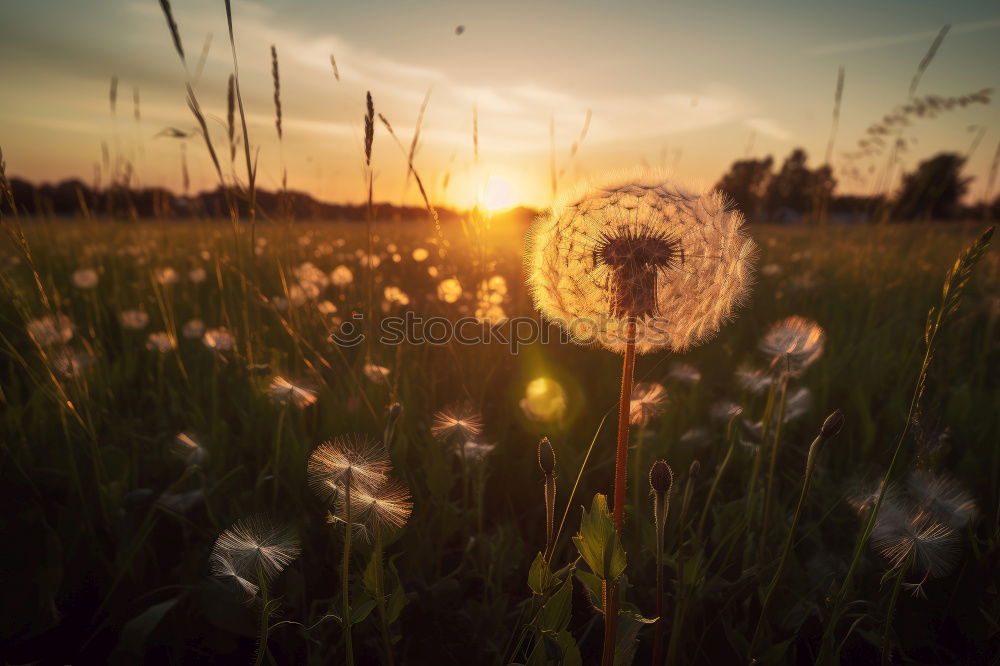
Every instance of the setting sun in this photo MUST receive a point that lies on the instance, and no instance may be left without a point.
(498, 194)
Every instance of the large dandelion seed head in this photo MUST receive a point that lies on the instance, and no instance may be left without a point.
(253, 551)
(353, 460)
(679, 263)
(793, 344)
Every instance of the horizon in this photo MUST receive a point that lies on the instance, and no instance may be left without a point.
(515, 77)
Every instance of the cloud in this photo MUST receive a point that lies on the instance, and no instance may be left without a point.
(896, 40)
(768, 127)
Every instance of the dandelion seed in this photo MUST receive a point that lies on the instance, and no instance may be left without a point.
(161, 342)
(253, 551)
(686, 373)
(377, 374)
(461, 422)
(944, 498)
(51, 330)
(449, 290)
(648, 400)
(797, 403)
(677, 264)
(724, 410)
(85, 278)
(753, 380)
(349, 459)
(903, 533)
(187, 447)
(70, 364)
(475, 451)
(219, 339)
(793, 344)
(134, 320)
(387, 507)
(396, 296)
(285, 392)
(193, 329)
(341, 276)
(166, 276)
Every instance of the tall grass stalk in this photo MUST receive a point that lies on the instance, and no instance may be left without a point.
(679, 600)
(951, 296)
(830, 428)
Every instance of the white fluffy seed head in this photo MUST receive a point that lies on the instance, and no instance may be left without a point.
(640, 247)
(253, 551)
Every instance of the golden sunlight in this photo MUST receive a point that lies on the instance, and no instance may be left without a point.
(498, 194)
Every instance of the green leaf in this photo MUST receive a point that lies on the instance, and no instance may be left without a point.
(361, 611)
(598, 542)
(135, 632)
(539, 575)
(592, 584)
(630, 621)
(398, 598)
(556, 612)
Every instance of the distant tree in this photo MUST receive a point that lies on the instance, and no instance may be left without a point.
(746, 182)
(934, 191)
(791, 186)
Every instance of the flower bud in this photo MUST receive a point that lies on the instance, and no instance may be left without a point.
(661, 477)
(832, 425)
(546, 457)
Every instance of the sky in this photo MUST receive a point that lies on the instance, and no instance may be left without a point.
(681, 86)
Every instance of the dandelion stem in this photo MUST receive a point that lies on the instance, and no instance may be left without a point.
(345, 571)
(790, 541)
(380, 598)
(661, 507)
(772, 470)
(621, 453)
(264, 618)
(277, 453)
(621, 469)
(897, 583)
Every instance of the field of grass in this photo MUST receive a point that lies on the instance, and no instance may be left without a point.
(109, 522)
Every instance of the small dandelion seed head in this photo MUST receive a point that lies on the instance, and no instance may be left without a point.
(376, 374)
(678, 263)
(353, 460)
(283, 392)
(753, 380)
(134, 320)
(51, 330)
(475, 451)
(189, 449)
(219, 339)
(649, 399)
(546, 457)
(460, 421)
(793, 344)
(386, 507)
(661, 477)
(684, 372)
(943, 497)
(905, 533)
(253, 551)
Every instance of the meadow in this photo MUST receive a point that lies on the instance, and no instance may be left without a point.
(162, 380)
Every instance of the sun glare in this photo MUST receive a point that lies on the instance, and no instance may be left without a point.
(498, 194)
